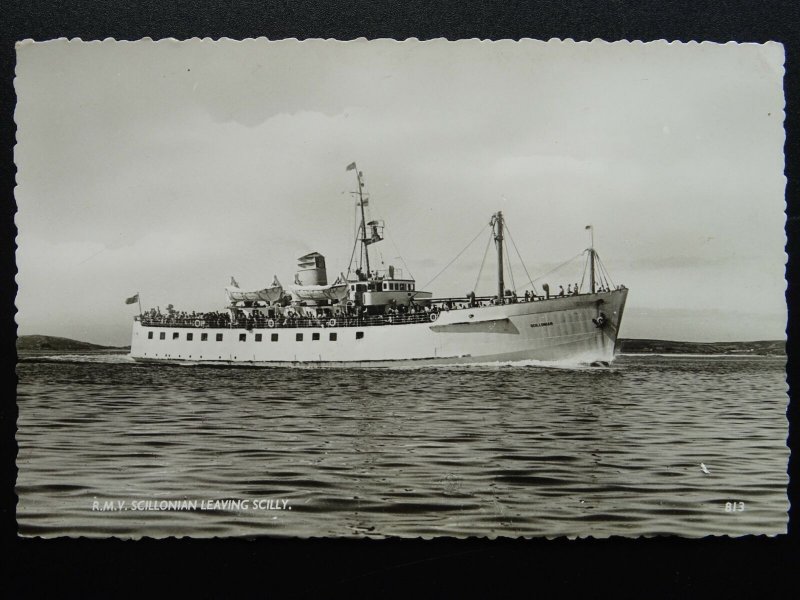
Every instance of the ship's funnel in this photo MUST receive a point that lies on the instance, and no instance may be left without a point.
(311, 270)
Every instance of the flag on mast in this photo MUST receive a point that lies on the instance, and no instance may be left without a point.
(588, 227)
(351, 166)
(133, 299)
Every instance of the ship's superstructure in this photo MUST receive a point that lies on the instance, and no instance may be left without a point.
(378, 317)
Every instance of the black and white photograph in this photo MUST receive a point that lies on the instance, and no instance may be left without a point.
(400, 289)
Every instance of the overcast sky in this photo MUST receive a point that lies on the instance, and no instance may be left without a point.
(167, 167)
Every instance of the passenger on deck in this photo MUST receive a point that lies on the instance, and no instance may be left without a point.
(561, 291)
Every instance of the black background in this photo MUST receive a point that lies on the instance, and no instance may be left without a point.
(667, 566)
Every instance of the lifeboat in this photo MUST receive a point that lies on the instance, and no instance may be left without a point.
(315, 293)
(268, 294)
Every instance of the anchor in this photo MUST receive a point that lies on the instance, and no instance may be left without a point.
(600, 321)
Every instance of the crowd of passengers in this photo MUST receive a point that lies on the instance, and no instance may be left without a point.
(277, 316)
(214, 318)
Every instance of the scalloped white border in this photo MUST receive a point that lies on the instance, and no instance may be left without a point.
(412, 40)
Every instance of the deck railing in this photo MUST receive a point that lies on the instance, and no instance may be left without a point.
(199, 322)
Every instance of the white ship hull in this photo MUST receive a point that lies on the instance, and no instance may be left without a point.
(558, 329)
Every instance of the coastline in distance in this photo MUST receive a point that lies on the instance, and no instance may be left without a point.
(45, 344)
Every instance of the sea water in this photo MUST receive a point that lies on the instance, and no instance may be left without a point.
(682, 445)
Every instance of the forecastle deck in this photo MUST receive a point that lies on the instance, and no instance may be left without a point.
(582, 328)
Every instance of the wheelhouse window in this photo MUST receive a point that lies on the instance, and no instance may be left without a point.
(332, 336)
(315, 337)
(189, 338)
(162, 336)
(274, 337)
(259, 337)
(242, 337)
(298, 337)
(219, 337)
(175, 335)
(203, 337)
(149, 335)
(359, 335)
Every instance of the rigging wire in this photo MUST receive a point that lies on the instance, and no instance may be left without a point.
(380, 252)
(558, 267)
(356, 233)
(456, 258)
(520, 259)
(601, 278)
(585, 266)
(373, 210)
(483, 262)
(355, 221)
(396, 249)
(355, 244)
(510, 270)
(604, 271)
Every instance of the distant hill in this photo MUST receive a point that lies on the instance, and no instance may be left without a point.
(49, 343)
(769, 348)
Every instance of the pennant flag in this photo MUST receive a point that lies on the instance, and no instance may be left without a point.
(351, 166)
(588, 227)
(133, 299)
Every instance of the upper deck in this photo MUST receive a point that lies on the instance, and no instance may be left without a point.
(287, 318)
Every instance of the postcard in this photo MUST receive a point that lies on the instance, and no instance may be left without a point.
(380, 288)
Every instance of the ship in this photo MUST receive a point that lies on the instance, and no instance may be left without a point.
(378, 318)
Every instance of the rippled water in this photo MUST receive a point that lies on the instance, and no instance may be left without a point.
(492, 450)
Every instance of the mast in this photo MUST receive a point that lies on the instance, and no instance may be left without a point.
(363, 220)
(591, 260)
(497, 221)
